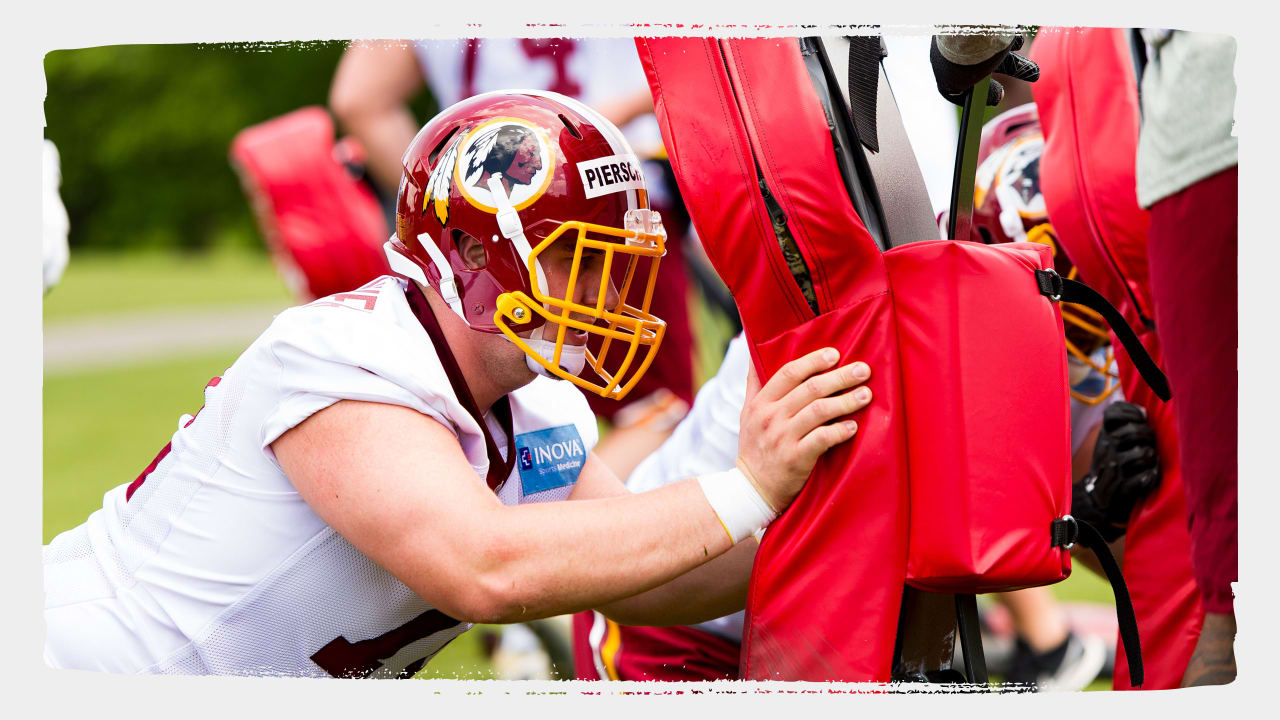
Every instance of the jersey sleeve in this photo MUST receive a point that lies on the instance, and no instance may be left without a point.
(326, 354)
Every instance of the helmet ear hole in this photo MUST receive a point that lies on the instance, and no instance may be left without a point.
(435, 152)
(569, 126)
(470, 250)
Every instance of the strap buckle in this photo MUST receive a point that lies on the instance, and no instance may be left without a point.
(449, 290)
(1050, 283)
(1064, 532)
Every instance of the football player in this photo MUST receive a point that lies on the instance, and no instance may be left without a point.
(370, 94)
(380, 469)
(706, 438)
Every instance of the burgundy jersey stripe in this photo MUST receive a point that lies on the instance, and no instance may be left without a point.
(142, 477)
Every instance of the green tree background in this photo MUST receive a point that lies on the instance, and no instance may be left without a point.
(144, 130)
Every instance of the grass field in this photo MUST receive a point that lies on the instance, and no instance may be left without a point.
(102, 427)
(103, 284)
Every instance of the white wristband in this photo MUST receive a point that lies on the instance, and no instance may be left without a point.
(741, 510)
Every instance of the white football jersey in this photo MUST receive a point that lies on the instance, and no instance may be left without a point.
(593, 70)
(211, 563)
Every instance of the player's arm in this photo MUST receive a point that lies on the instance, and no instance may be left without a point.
(714, 589)
(369, 95)
(396, 485)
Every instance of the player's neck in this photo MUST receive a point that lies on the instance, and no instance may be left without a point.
(484, 386)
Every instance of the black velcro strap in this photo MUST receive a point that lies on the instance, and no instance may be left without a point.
(865, 52)
(1059, 288)
(1128, 621)
(1064, 532)
(1050, 284)
(975, 663)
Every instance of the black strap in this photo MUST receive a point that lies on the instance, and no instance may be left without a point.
(1058, 288)
(865, 52)
(850, 158)
(1128, 621)
(975, 663)
(1138, 52)
(499, 469)
(1064, 532)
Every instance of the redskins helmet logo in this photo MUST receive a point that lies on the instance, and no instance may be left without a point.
(511, 148)
(1021, 170)
(1015, 165)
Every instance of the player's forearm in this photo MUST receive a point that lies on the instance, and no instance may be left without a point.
(385, 134)
(555, 558)
(1086, 557)
(369, 96)
(711, 590)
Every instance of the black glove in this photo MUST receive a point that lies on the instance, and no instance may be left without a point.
(1125, 469)
(954, 80)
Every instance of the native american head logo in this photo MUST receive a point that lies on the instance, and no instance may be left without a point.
(1016, 165)
(508, 148)
(1020, 169)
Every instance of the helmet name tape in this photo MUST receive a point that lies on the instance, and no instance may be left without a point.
(611, 174)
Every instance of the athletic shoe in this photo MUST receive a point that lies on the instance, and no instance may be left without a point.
(1083, 661)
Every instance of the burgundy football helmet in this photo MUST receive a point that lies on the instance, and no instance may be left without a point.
(520, 170)
(1008, 207)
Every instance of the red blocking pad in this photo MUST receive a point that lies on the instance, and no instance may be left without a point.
(987, 419)
(324, 228)
(965, 354)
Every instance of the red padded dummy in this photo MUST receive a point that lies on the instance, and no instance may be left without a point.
(987, 430)
(948, 329)
(1089, 112)
(811, 614)
(324, 228)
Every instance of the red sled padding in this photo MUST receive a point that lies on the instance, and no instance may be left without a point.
(988, 422)
(1088, 180)
(824, 596)
(968, 434)
(323, 226)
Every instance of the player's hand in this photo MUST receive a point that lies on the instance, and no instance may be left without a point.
(784, 426)
(960, 61)
(1126, 468)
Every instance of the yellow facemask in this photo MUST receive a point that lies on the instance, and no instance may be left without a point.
(629, 326)
(1085, 329)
